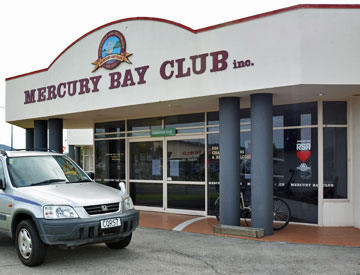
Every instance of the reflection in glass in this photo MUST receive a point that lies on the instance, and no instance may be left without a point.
(185, 120)
(144, 124)
(334, 112)
(113, 126)
(147, 194)
(146, 160)
(335, 163)
(185, 196)
(110, 161)
(213, 171)
(186, 160)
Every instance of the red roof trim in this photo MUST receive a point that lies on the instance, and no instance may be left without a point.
(301, 6)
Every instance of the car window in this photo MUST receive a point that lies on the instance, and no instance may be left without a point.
(2, 174)
(43, 170)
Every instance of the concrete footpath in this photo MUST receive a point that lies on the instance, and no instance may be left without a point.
(157, 251)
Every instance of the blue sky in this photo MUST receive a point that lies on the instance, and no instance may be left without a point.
(46, 28)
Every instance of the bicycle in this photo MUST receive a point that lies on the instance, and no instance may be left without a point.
(281, 211)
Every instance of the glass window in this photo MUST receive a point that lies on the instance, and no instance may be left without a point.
(147, 194)
(113, 126)
(110, 161)
(302, 114)
(190, 120)
(334, 112)
(186, 160)
(295, 171)
(146, 160)
(335, 163)
(213, 118)
(213, 171)
(144, 124)
(185, 196)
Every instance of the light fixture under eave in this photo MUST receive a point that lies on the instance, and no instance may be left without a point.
(320, 94)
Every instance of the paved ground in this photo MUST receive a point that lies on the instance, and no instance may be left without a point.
(155, 251)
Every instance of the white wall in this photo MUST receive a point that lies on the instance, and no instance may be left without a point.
(80, 137)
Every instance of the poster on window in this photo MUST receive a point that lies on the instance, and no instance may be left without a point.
(303, 152)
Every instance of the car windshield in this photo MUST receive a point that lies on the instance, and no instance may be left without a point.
(43, 170)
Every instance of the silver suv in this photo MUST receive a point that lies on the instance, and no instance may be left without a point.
(46, 199)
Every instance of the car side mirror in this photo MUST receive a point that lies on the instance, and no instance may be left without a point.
(2, 184)
(122, 187)
(91, 175)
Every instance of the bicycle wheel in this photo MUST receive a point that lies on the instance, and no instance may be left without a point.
(281, 214)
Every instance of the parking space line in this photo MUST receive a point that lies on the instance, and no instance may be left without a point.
(181, 226)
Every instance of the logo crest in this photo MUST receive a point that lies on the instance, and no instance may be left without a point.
(112, 51)
(104, 208)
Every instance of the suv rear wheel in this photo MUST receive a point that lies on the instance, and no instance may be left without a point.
(29, 247)
(119, 244)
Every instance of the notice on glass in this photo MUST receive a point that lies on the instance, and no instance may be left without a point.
(174, 168)
(156, 167)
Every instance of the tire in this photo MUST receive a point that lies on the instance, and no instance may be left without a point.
(29, 247)
(281, 214)
(119, 244)
(217, 208)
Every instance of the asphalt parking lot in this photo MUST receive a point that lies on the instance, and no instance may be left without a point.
(155, 251)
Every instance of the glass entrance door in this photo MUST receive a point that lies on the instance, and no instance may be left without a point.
(146, 173)
(185, 167)
(168, 174)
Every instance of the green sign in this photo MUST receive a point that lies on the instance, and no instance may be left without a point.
(163, 132)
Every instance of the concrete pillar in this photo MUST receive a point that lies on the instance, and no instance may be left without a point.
(72, 152)
(56, 134)
(29, 138)
(262, 162)
(77, 155)
(40, 134)
(229, 114)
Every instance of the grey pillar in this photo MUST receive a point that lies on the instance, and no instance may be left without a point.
(262, 162)
(229, 160)
(29, 138)
(40, 134)
(77, 155)
(56, 134)
(72, 152)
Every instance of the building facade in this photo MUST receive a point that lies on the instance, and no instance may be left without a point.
(271, 102)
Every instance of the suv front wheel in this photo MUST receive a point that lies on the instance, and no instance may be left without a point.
(29, 247)
(119, 244)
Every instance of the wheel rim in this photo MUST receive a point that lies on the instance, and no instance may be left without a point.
(25, 243)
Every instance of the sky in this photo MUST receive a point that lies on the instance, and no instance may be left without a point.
(34, 32)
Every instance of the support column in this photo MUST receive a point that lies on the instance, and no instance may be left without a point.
(229, 116)
(77, 155)
(262, 162)
(72, 152)
(29, 138)
(56, 134)
(40, 134)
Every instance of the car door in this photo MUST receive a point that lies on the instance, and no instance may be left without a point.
(5, 201)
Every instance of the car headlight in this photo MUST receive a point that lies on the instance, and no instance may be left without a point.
(59, 212)
(128, 204)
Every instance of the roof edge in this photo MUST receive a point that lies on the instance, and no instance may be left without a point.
(249, 18)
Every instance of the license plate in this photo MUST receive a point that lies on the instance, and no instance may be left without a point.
(109, 223)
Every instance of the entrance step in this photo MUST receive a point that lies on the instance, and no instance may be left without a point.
(239, 231)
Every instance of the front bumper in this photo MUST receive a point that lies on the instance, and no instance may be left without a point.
(75, 232)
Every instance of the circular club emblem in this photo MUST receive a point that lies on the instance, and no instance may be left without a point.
(112, 51)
